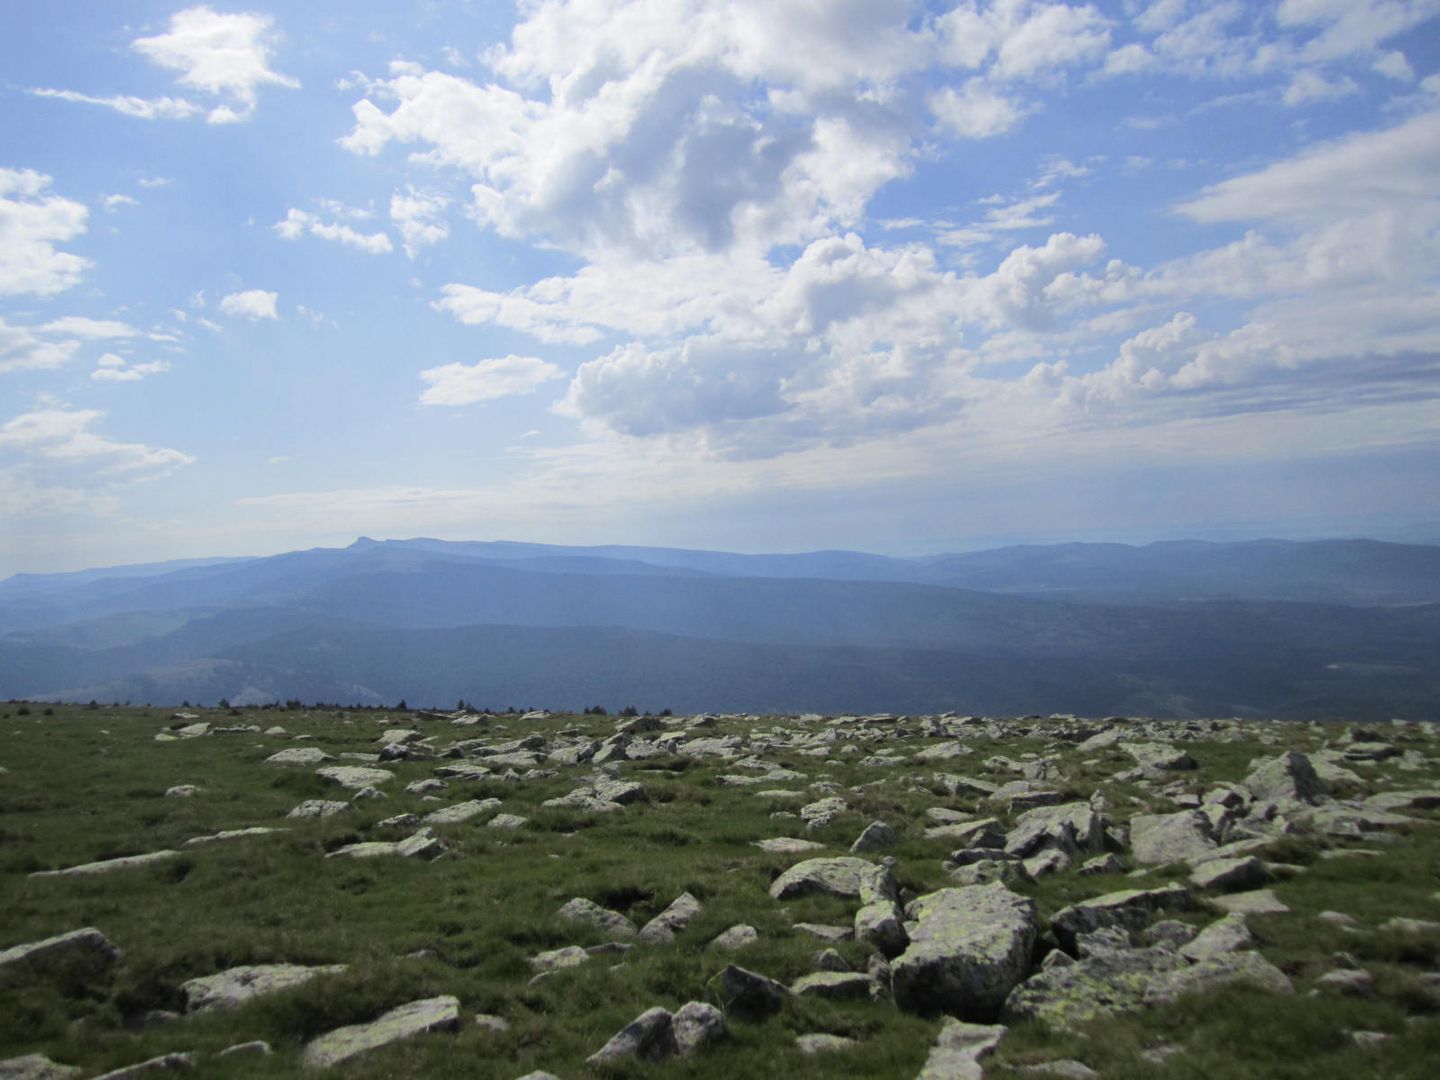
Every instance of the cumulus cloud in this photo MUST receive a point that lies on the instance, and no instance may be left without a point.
(485, 380)
(32, 221)
(250, 304)
(299, 222)
(976, 111)
(218, 54)
(420, 218)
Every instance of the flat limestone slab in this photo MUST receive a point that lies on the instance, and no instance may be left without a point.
(342, 1044)
(105, 866)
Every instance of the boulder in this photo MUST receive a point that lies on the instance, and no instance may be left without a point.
(86, 951)
(1288, 780)
(299, 755)
(746, 993)
(318, 808)
(106, 866)
(354, 777)
(1246, 872)
(661, 930)
(737, 937)
(458, 813)
(420, 845)
(36, 1067)
(1128, 909)
(227, 989)
(822, 812)
(416, 1018)
(877, 836)
(1157, 839)
(881, 926)
(844, 877)
(969, 947)
(1073, 828)
(823, 1044)
(1226, 935)
(587, 911)
(694, 1024)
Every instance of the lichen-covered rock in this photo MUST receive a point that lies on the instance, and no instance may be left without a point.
(661, 930)
(1287, 780)
(227, 989)
(844, 876)
(1226, 935)
(694, 1024)
(1128, 909)
(79, 951)
(833, 985)
(416, 1018)
(969, 948)
(587, 911)
(1246, 872)
(818, 814)
(299, 755)
(877, 836)
(959, 1050)
(354, 777)
(36, 1067)
(1157, 839)
(461, 812)
(737, 937)
(1073, 828)
(318, 808)
(420, 845)
(881, 926)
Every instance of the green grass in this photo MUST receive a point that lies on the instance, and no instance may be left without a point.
(88, 784)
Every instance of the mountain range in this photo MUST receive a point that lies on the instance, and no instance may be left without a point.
(1322, 629)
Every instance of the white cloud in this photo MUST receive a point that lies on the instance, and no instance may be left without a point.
(112, 368)
(1308, 86)
(485, 380)
(218, 54)
(63, 437)
(419, 217)
(299, 222)
(32, 222)
(165, 108)
(976, 111)
(22, 349)
(89, 329)
(115, 202)
(156, 181)
(250, 304)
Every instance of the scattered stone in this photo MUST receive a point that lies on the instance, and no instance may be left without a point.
(737, 937)
(1064, 1067)
(254, 1046)
(86, 951)
(1353, 981)
(496, 1025)
(421, 845)
(788, 845)
(163, 1063)
(36, 1067)
(338, 1046)
(181, 791)
(844, 877)
(819, 814)
(1288, 780)
(747, 994)
(826, 933)
(354, 777)
(1227, 935)
(461, 812)
(587, 911)
(226, 990)
(661, 930)
(318, 808)
(1256, 902)
(1157, 839)
(507, 821)
(694, 1024)
(232, 834)
(425, 787)
(1246, 872)
(959, 1049)
(299, 755)
(106, 866)
(833, 986)
(823, 1044)
(1129, 909)
(877, 836)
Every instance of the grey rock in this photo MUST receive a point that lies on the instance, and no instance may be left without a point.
(829, 960)
(79, 951)
(254, 1046)
(844, 876)
(1102, 864)
(181, 791)
(416, 1018)
(661, 930)
(36, 1067)
(1074, 828)
(985, 833)
(459, 813)
(880, 925)
(1255, 902)
(560, 959)
(822, 812)
(421, 845)
(107, 866)
(237, 985)
(788, 845)
(1171, 932)
(823, 1044)
(969, 948)
(318, 808)
(1245, 872)
(425, 787)
(587, 911)
(1355, 982)
(1066, 1068)
(299, 755)
(694, 1024)
(1157, 839)
(177, 1062)
(737, 937)
(1129, 909)
(354, 777)
(877, 836)
(507, 821)
(959, 1049)
(825, 932)
(746, 993)
(231, 834)
(464, 770)
(1287, 780)
(833, 986)
(496, 1025)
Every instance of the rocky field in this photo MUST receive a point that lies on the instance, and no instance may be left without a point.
(397, 894)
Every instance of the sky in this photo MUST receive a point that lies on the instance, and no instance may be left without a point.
(760, 275)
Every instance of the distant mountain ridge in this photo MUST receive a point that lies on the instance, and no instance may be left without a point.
(1348, 627)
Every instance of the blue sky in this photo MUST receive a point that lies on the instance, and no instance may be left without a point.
(750, 275)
